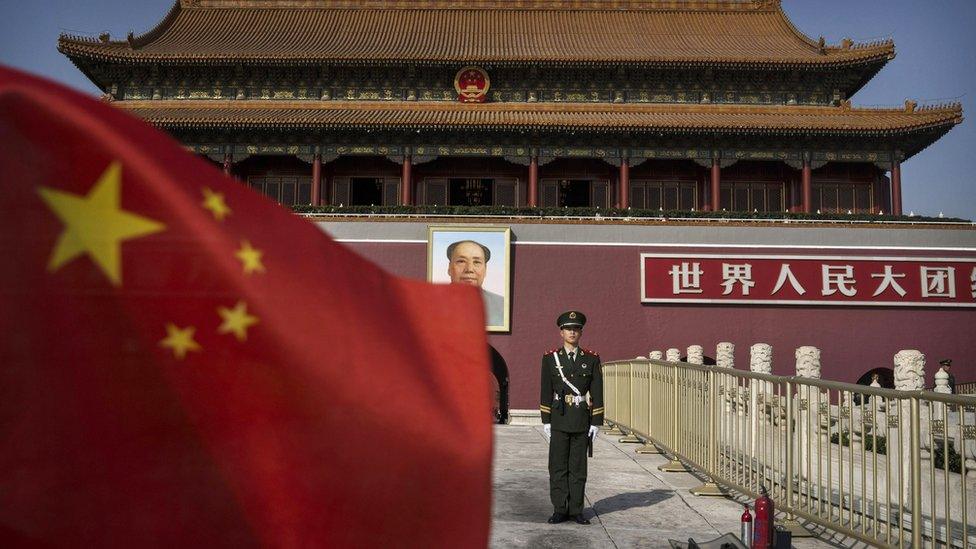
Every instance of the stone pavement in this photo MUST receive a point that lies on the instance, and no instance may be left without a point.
(629, 502)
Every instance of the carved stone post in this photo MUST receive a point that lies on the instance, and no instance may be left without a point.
(696, 355)
(725, 355)
(761, 362)
(656, 355)
(909, 376)
(941, 387)
(725, 358)
(808, 409)
(673, 355)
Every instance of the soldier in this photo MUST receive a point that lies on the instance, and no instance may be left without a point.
(570, 374)
(946, 364)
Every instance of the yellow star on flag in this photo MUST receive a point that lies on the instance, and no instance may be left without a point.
(214, 202)
(180, 340)
(250, 257)
(96, 224)
(236, 320)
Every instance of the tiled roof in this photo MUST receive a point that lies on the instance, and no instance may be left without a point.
(599, 117)
(729, 32)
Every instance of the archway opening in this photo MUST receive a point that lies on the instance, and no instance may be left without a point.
(499, 371)
(886, 378)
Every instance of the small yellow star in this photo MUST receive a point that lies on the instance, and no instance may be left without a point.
(236, 320)
(180, 340)
(96, 224)
(215, 203)
(250, 257)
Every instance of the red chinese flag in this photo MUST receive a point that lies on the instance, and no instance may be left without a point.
(183, 363)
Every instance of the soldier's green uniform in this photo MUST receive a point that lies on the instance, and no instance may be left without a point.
(570, 418)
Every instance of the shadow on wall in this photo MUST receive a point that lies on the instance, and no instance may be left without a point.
(706, 360)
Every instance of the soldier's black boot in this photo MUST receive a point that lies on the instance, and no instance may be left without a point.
(556, 518)
(580, 520)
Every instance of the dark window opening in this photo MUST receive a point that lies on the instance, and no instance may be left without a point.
(366, 191)
(574, 193)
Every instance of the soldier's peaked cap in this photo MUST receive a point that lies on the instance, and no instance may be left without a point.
(571, 318)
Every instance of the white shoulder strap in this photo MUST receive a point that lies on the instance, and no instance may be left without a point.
(559, 367)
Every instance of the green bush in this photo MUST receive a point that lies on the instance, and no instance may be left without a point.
(868, 442)
(955, 460)
(596, 213)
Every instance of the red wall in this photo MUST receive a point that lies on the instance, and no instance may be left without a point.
(604, 283)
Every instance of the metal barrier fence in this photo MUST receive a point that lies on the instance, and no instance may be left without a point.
(888, 467)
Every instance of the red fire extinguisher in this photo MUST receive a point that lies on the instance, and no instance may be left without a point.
(745, 525)
(763, 536)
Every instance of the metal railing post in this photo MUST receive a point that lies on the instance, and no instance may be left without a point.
(675, 465)
(916, 473)
(630, 437)
(648, 447)
(710, 487)
(791, 523)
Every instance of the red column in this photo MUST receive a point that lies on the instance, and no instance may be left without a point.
(533, 198)
(227, 163)
(624, 200)
(807, 184)
(704, 192)
(326, 197)
(317, 180)
(896, 188)
(716, 185)
(406, 185)
(788, 194)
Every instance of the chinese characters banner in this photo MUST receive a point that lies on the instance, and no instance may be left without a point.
(808, 280)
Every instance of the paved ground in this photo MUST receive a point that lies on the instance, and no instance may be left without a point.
(630, 503)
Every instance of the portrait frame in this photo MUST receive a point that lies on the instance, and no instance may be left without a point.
(496, 284)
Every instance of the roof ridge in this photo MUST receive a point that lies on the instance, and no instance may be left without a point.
(846, 44)
(157, 31)
(564, 106)
(556, 5)
(133, 40)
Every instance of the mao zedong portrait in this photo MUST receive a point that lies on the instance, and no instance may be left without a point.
(468, 264)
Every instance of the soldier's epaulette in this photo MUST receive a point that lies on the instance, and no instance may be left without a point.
(550, 351)
(590, 352)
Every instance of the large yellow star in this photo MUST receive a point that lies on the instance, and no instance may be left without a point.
(180, 340)
(236, 320)
(96, 224)
(215, 203)
(250, 257)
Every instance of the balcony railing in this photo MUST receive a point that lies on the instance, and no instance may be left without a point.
(888, 467)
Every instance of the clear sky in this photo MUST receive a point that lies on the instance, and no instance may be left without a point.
(935, 43)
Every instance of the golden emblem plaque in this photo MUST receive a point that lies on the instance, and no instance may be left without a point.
(471, 84)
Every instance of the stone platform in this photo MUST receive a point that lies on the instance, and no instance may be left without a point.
(629, 502)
